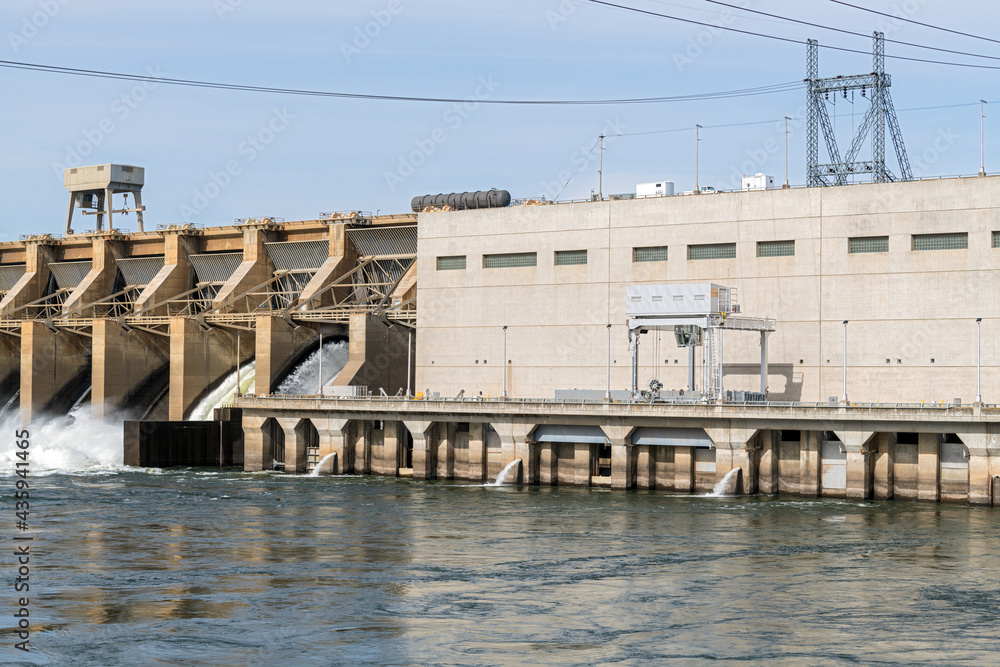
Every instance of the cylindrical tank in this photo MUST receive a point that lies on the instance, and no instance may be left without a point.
(463, 200)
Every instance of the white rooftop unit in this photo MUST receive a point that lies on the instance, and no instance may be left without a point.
(660, 189)
(759, 182)
(679, 300)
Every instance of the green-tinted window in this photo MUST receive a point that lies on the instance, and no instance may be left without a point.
(863, 244)
(510, 260)
(996, 239)
(776, 249)
(650, 254)
(712, 251)
(570, 257)
(454, 263)
(957, 241)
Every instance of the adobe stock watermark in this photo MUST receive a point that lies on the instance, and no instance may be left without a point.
(248, 150)
(927, 158)
(454, 117)
(33, 24)
(562, 13)
(582, 157)
(121, 108)
(756, 158)
(223, 7)
(706, 37)
(370, 31)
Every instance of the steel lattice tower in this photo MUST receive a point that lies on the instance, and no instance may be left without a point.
(880, 113)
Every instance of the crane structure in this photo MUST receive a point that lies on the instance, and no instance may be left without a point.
(880, 114)
(697, 314)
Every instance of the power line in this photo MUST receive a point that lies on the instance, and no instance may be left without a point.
(926, 25)
(785, 39)
(579, 167)
(851, 32)
(778, 120)
(52, 69)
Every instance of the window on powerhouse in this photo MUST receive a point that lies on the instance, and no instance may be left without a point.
(452, 263)
(650, 254)
(510, 260)
(570, 257)
(776, 248)
(865, 244)
(712, 251)
(956, 241)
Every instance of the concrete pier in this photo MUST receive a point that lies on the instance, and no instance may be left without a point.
(929, 454)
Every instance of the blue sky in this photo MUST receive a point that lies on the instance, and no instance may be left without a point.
(212, 156)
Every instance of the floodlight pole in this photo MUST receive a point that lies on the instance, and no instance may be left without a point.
(786, 186)
(503, 362)
(843, 398)
(607, 393)
(979, 360)
(982, 137)
(697, 141)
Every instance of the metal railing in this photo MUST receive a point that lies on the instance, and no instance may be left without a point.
(498, 400)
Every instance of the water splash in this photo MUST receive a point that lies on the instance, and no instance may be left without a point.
(6, 407)
(304, 380)
(317, 471)
(727, 485)
(71, 444)
(502, 476)
(225, 393)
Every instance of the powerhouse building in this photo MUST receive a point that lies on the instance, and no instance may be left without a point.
(901, 270)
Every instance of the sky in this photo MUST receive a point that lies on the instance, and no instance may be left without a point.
(212, 156)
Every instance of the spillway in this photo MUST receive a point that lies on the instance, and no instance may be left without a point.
(224, 394)
(305, 380)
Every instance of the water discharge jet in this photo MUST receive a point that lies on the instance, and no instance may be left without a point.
(730, 485)
(512, 467)
(328, 469)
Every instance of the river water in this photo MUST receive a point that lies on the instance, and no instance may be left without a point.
(202, 567)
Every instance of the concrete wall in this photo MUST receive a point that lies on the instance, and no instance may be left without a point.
(378, 355)
(122, 361)
(912, 333)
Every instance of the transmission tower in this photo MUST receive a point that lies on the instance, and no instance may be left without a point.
(880, 113)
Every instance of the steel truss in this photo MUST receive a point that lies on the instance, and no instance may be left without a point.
(880, 113)
(368, 288)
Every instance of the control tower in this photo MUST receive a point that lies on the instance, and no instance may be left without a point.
(93, 188)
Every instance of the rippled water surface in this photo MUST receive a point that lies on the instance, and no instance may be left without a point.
(198, 568)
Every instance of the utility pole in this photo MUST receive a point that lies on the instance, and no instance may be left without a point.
(600, 184)
(786, 186)
(504, 363)
(697, 140)
(843, 399)
(237, 363)
(979, 360)
(607, 394)
(982, 143)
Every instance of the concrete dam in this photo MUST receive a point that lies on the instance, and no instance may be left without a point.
(538, 325)
(145, 323)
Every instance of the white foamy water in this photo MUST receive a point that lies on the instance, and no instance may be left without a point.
(502, 476)
(722, 485)
(225, 393)
(304, 380)
(75, 443)
(319, 466)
